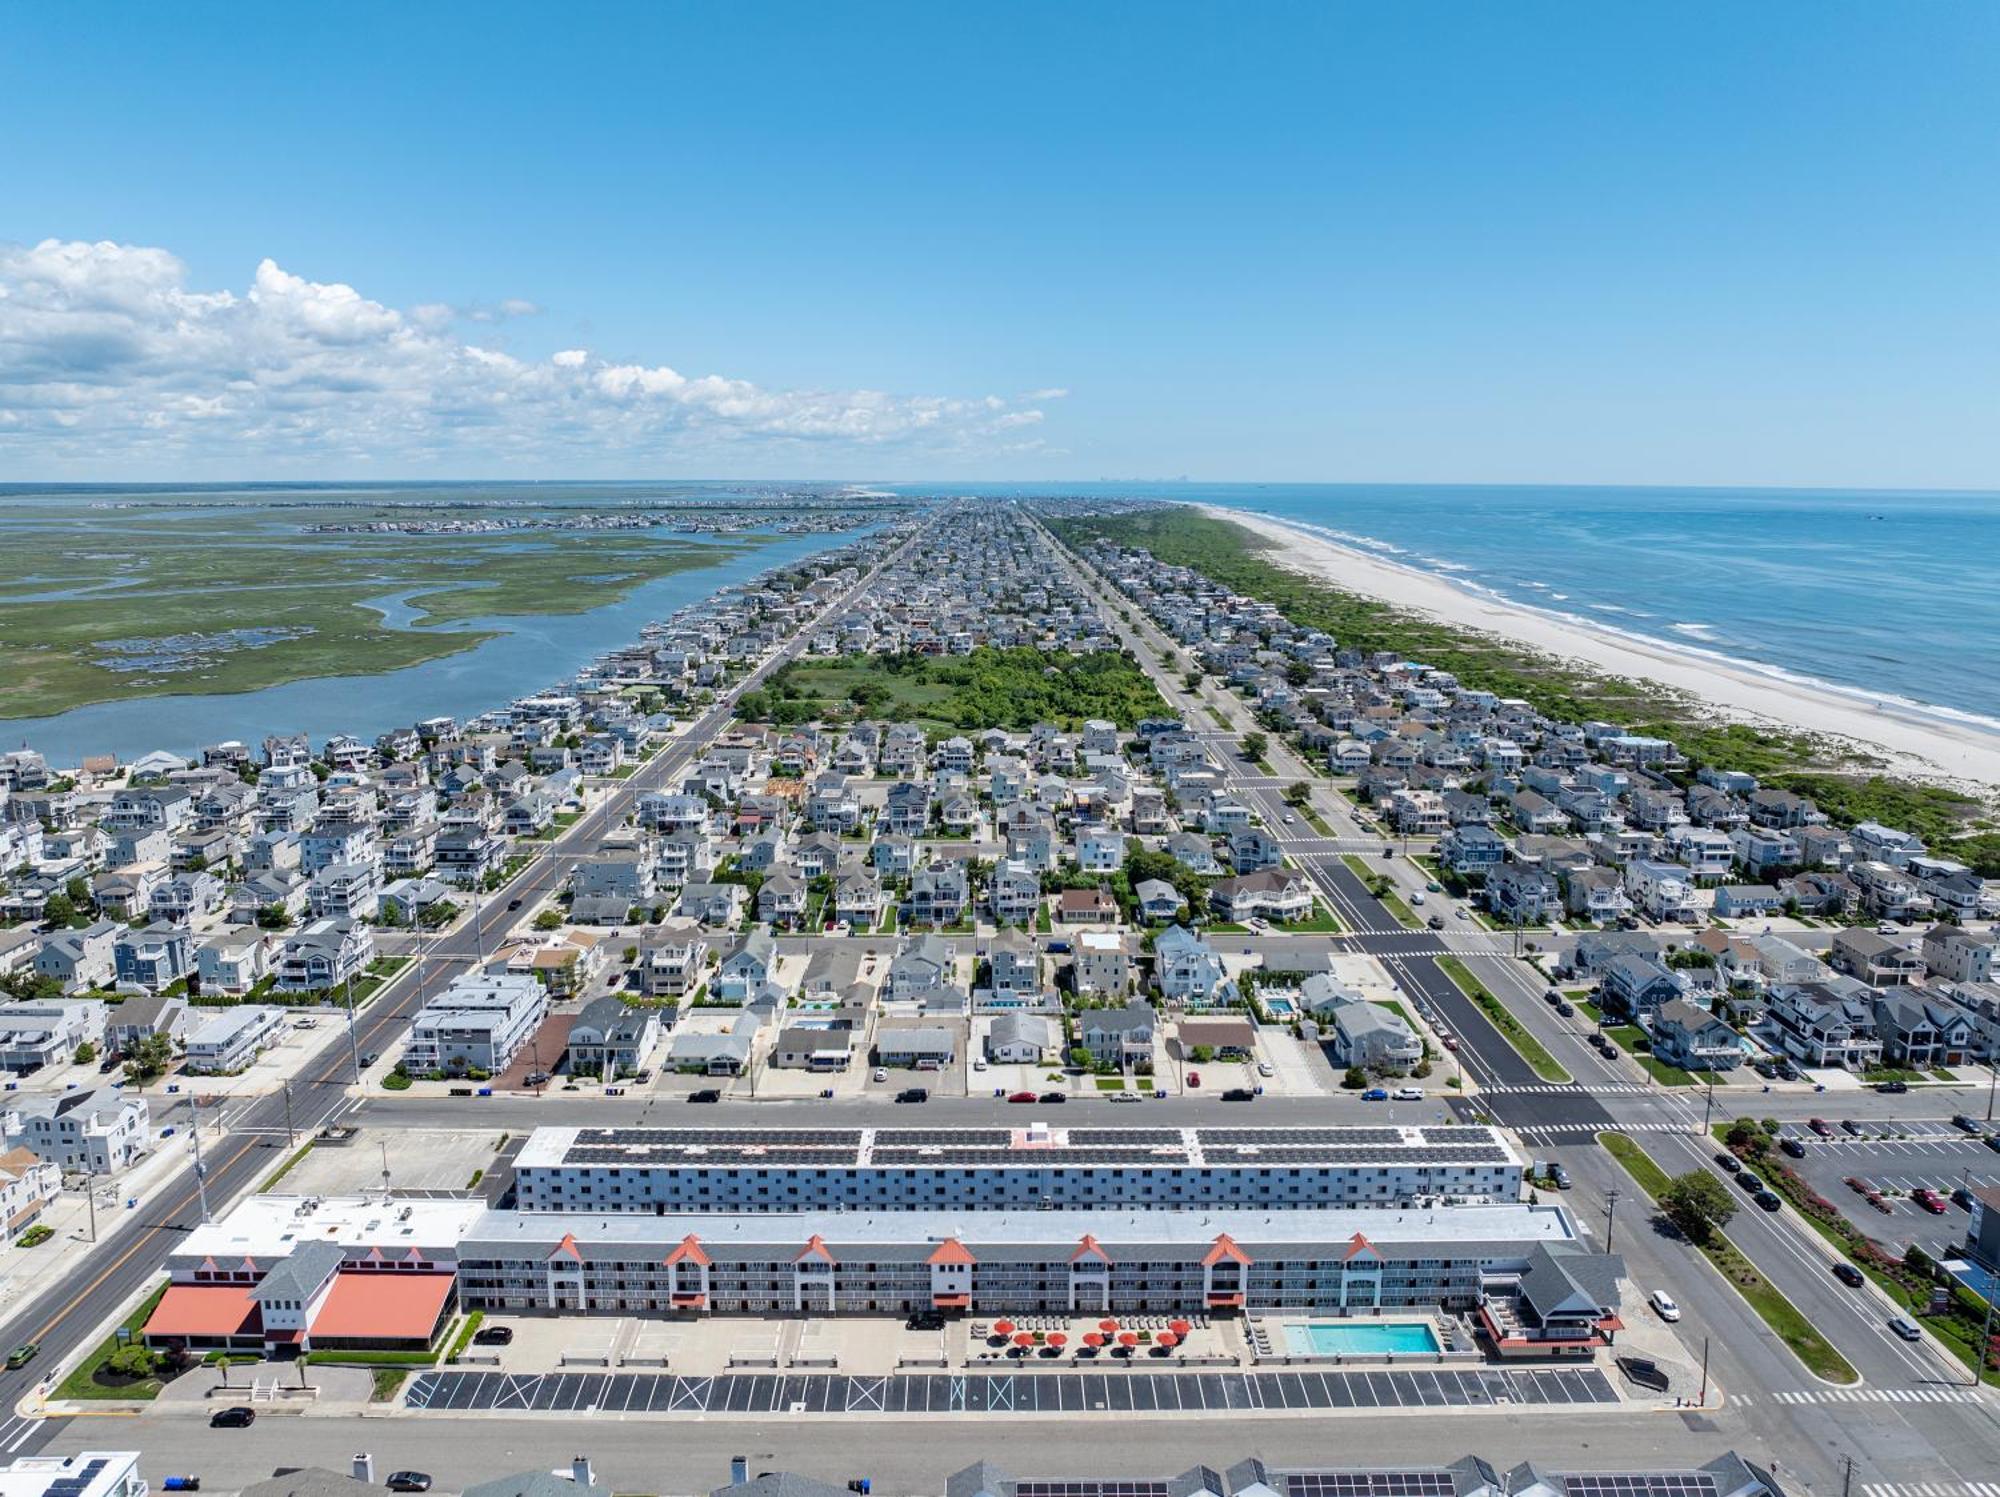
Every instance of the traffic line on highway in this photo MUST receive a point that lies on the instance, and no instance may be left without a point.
(1930, 1489)
(1550, 1088)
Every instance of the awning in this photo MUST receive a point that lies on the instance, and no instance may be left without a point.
(690, 1302)
(950, 1301)
(380, 1305)
(205, 1312)
(1235, 1300)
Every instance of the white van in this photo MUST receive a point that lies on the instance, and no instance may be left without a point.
(1408, 1094)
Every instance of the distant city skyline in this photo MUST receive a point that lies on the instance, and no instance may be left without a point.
(1550, 243)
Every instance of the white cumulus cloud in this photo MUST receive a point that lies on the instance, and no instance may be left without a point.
(109, 361)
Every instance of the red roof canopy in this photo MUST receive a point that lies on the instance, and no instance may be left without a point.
(205, 1312)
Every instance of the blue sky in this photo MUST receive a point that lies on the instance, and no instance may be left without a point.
(1698, 243)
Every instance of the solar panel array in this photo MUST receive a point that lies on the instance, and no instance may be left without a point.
(1640, 1484)
(834, 1148)
(1369, 1484)
(74, 1483)
(1090, 1489)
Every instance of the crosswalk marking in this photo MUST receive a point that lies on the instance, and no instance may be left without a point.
(1598, 1127)
(1875, 1395)
(1930, 1489)
(1546, 1089)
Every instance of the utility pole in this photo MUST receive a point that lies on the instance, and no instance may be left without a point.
(353, 1042)
(1992, 1080)
(200, 1169)
(1980, 1352)
(1704, 1382)
(291, 1133)
(1610, 1215)
(90, 1196)
(1708, 1103)
(1846, 1475)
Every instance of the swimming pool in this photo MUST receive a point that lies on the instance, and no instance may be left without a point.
(1359, 1338)
(1280, 1008)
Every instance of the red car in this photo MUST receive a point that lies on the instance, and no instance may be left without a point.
(1194, 1078)
(1819, 1126)
(1021, 1097)
(1928, 1199)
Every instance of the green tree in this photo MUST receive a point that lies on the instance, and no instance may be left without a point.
(1298, 793)
(58, 909)
(148, 1058)
(86, 1053)
(1698, 1203)
(549, 920)
(132, 1363)
(78, 890)
(1254, 745)
(1355, 1079)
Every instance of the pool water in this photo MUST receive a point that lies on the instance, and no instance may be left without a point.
(1279, 1008)
(1358, 1338)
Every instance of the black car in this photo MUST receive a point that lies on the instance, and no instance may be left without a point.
(913, 1094)
(1563, 1009)
(706, 1094)
(1750, 1182)
(1770, 1200)
(370, 1058)
(493, 1335)
(1239, 1094)
(1851, 1128)
(1993, 1142)
(513, 904)
(1054, 1097)
(1731, 1165)
(1848, 1274)
(408, 1481)
(1552, 995)
(1962, 1198)
(925, 1320)
(1792, 1147)
(237, 1417)
(1560, 1177)
(1892, 1088)
(1965, 1124)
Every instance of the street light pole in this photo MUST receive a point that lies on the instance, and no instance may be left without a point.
(200, 1169)
(291, 1133)
(1610, 1215)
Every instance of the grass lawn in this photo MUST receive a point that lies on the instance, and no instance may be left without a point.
(1628, 1037)
(1111, 1083)
(1502, 1018)
(1316, 821)
(1319, 922)
(82, 1382)
(1780, 1314)
(1892, 1073)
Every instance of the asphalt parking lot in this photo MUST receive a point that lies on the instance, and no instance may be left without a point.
(1896, 1159)
(1011, 1392)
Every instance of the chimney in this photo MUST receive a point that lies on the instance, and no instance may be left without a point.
(364, 1467)
(579, 1471)
(739, 1470)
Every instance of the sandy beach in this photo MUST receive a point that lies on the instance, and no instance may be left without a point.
(1915, 741)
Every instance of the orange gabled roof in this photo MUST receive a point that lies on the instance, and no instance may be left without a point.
(816, 1248)
(205, 1311)
(951, 1250)
(567, 1248)
(689, 1251)
(1089, 1247)
(1359, 1247)
(1225, 1247)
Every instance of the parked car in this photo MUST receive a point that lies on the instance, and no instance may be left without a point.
(234, 1417)
(1239, 1094)
(913, 1094)
(1848, 1274)
(1409, 1094)
(1905, 1327)
(1967, 1124)
(1993, 1142)
(1892, 1088)
(1730, 1164)
(1770, 1200)
(1663, 1305)
(1436, 922)
(1792, 1147)
(1020, 1096)
(1265, 1068)
(1929, 1199)
(879, 1074)
(1194, 1078)
(408, 1481)
(1052, 1098)
(1961, 1198)
(1851, 1128)
(1376, 1094)
(1820, 1126)
(1750, 1182)
(1564, 1009)
(493, 1335)
(706, 1094)
(1560, 1177)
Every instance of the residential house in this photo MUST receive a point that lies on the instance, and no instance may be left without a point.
(1102, 963)
(1747, 901)
(924, 966)
(230, 963)
(610, 1038)
(1119, 1037)
(234, 1038)
(1357, 1032)
(939, 895)
(1874, 959)
(479, 1023)
(1521, 895)
(1023, 1039)
(1690, 1037)
(80, 959)
(747, 968)
(97, 1132)
(1826, 1024)
(1959, 955)
(1276, 894)
(1634, 986)
(1186, 967)
(44, 1032)
(323, 955)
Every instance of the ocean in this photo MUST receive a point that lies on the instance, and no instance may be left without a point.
(1885, 593)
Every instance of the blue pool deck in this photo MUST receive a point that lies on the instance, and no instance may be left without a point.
(1360, 1338)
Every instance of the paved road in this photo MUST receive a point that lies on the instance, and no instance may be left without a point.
(70, 1314)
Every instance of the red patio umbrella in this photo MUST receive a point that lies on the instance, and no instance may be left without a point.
(1167, 1339)
(1057, 1338)
(1093, 1340)
(1128, 1339)
(1003, 1327)
(1023, 1338)
(1179, 1327)
(1107, 1326)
